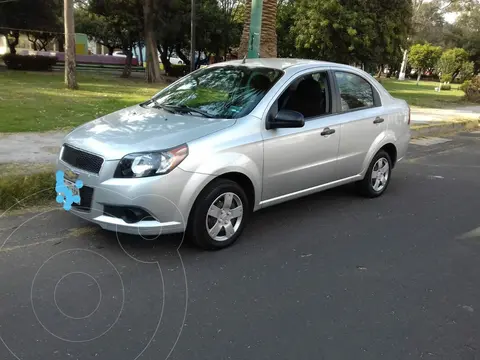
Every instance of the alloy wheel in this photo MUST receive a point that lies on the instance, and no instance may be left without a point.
(380, 174)
(224, 216)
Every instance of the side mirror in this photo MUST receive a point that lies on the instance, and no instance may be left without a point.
(286, 119)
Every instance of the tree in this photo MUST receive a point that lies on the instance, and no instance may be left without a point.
(285, 21)
(352, 31)
(70, 61)
(98, 28)
(268, 34)
(428, 22)
(47, 24)
(451, 63)
(115, 24)
(151, 55)
(424, 57)
(392, 23)
(465, 33)
(41, 15)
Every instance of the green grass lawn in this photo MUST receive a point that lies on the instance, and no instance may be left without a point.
(424, 95)
(32, 101)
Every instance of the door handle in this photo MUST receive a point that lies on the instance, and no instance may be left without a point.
(327, 131)
(378, 120)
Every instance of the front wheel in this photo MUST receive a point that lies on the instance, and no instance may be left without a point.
(219, 215)
(377, 177)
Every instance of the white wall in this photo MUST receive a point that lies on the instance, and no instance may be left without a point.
(3, 45)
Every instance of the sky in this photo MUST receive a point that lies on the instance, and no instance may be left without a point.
(450, 17)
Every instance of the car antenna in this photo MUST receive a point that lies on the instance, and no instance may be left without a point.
(244, 59)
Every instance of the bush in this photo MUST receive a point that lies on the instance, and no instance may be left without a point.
(178, 70)
(446, 87)
(446, 78)
(29, 62)
(465, 85)
(467, 71)
(472, 89)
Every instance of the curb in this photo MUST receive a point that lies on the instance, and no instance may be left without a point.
(445, 128)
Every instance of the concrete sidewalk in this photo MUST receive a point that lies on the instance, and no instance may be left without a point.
(30, 147)
(427, 115)
(43, 147)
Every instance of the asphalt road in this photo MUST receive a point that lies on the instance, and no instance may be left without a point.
(330, 276)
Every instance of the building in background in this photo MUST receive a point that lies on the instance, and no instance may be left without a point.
(25, 46)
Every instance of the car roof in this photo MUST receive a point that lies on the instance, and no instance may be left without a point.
(279, 63)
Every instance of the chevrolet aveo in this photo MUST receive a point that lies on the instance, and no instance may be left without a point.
(229, 139)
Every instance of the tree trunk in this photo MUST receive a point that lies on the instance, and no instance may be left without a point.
(197, 62)
(12, 45)
(127, 69)
(70, 61)
(33, 41)
(110, 50)
(167, 65)
(140, 54)
(181, 55)
(245, 39)
(403, 68)
(380, 70)
(268, 35)
(455, 74)
(61, 44)
(152, 71)
(268, 39)
(419, 76)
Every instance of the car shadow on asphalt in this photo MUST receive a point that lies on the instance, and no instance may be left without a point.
(149, 248)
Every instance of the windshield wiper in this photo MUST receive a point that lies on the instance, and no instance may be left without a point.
(184, 109)
(164, 107)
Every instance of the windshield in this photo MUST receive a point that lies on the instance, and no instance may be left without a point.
(218, 92)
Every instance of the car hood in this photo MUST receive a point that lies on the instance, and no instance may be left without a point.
(139, 129)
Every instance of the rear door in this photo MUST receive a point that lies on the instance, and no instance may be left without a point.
(362, 122)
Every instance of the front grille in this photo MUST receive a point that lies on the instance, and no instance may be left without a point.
(81, 159)
(86, 196)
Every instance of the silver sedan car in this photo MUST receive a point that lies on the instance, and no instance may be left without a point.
(232, 138)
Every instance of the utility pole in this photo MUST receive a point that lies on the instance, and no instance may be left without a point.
(255, 29)
(192, 37)
(70, 61)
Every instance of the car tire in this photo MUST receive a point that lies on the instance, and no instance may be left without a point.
(211, 215)
(377, 177)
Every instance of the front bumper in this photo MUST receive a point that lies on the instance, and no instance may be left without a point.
(167, 198)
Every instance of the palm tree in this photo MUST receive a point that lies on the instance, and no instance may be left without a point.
(268, 36)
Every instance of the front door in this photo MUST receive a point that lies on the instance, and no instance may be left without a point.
(301, 158)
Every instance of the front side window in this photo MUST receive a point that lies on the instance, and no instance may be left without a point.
(218, 92)
(308, 95)
(355, 91)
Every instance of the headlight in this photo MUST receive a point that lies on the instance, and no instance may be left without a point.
(151, 163)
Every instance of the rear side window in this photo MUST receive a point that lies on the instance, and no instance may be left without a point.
(355, 91)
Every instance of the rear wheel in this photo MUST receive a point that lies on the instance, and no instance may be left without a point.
(219, 215)
(378, 176)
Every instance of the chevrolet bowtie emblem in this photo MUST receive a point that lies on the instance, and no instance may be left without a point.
(71, 175)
